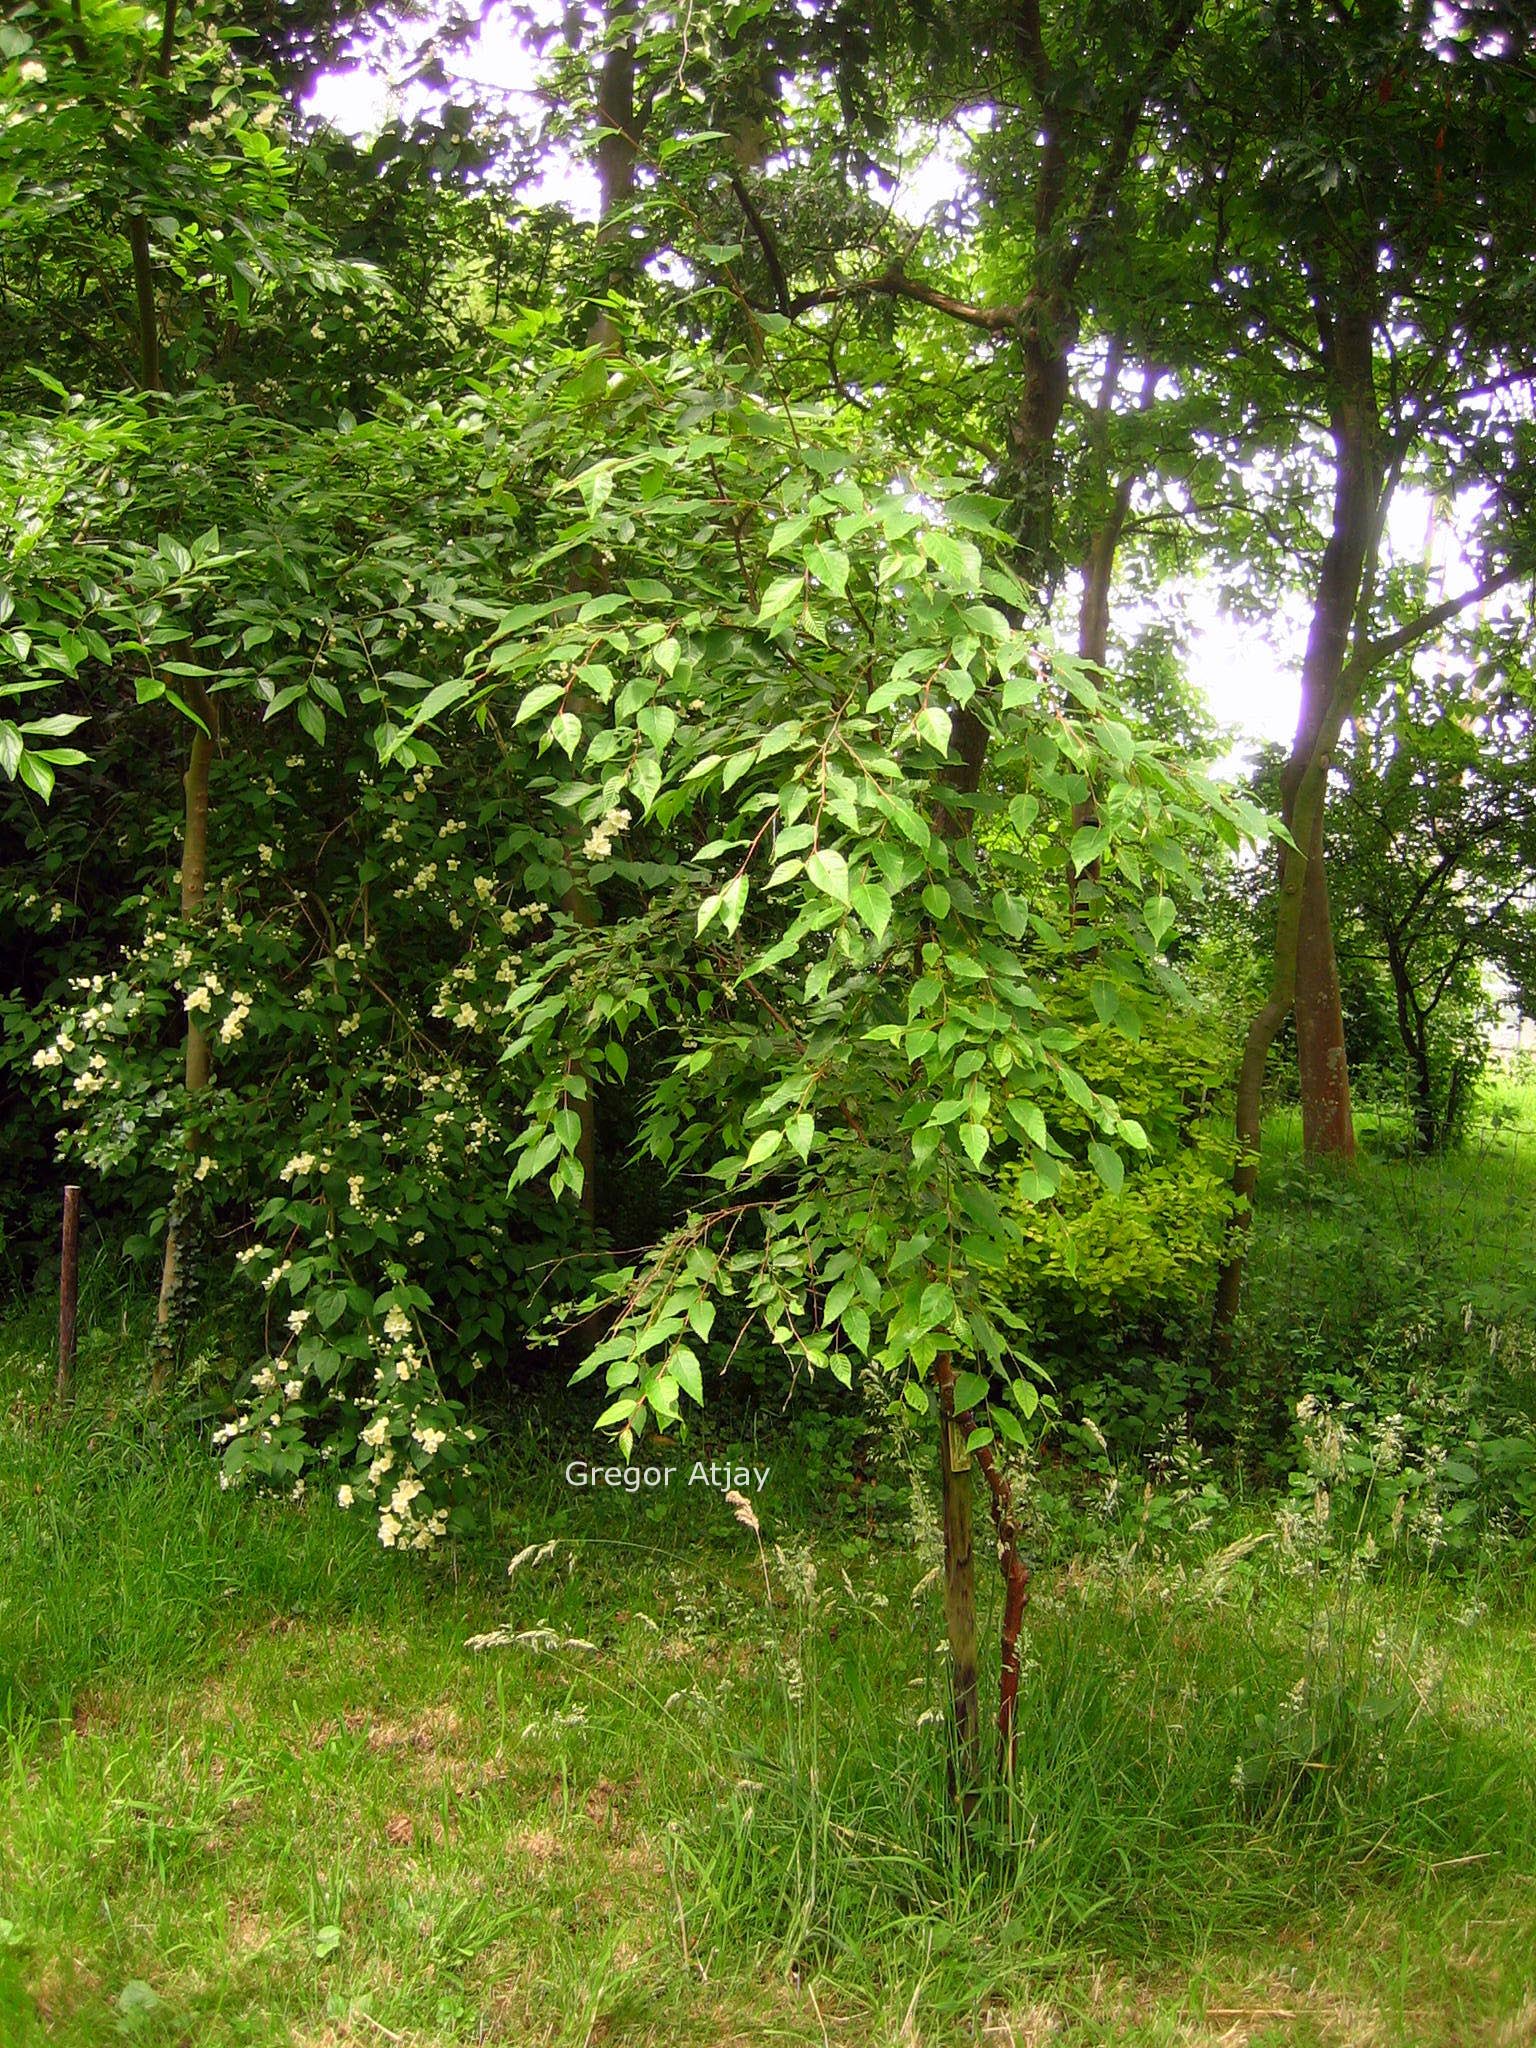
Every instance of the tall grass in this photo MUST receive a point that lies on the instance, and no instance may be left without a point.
(120, 1558)
(1193, 1762)
(705, 1776)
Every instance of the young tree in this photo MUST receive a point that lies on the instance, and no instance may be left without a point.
(1433, 839)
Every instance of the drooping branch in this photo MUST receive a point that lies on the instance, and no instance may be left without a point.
(895, 284)
(766, 241)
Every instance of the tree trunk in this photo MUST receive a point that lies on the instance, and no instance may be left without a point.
(1358, 508)
(960, 1600)
(1330, 684)
(144, 303)
(616, 156)
(1328, 1129)
(1262, 1030)
(196, 1060)
(195, 782)
(1426, 1119)
(1412, 1031)
(1098, 572)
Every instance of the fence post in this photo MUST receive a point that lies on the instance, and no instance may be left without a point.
(69, 1288)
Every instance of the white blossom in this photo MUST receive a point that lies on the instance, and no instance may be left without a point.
(599, 841)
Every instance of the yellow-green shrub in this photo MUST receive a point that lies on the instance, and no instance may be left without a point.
(1114, 1284)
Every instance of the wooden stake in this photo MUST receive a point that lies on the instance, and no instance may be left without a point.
(69, 1288)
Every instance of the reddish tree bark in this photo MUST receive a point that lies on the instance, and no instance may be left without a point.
(1330, 681)
(1348, 338)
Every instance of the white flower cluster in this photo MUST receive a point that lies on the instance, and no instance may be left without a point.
(233, 1027)
(200, 997)
(599, 841)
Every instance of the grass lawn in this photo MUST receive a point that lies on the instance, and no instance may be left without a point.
(258, 1788)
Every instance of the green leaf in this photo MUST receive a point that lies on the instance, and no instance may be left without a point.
(937, 1308)
(1027, 1397)
(934, 727)
(685, 1369)
(330, 1306)
(138, 2003)
(701, 1320)
(733, 901)
(1116, 740)
(828, 565)
(1107, 1164)
(56, 728)
(957, 561)
(565, 731)
(1159, 916)
(1088, 844)
(781, 593)
(970, 1391)
(799, 1132)
(828, 871)
(873, 904)
(1010, 915)
(538, 699)
(37, 775)
(454, 691)
(1105, 998)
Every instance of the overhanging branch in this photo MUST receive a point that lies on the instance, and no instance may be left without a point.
(895, 284)
(1375, 652)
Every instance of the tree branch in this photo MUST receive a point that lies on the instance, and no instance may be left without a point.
(894, 284)
(1374, 652)
(765, 240)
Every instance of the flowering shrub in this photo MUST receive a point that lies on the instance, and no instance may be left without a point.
(349, 969)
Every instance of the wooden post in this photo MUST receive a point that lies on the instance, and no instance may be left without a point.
(69, 1288)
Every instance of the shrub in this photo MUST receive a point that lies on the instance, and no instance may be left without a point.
(1113, 1281)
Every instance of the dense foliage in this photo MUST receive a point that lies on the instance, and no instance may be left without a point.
(554, 791)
